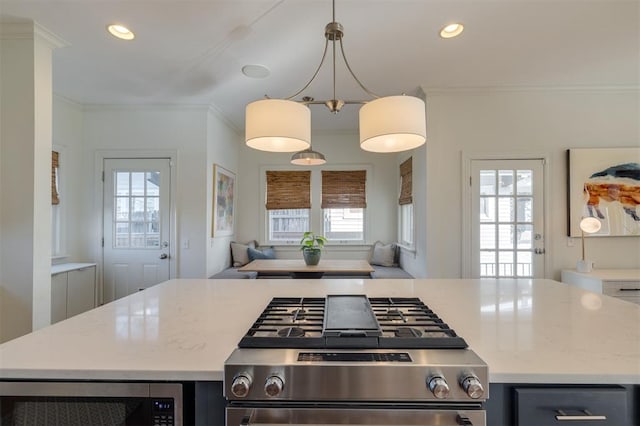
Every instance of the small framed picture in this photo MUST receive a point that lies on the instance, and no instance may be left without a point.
(223, 201)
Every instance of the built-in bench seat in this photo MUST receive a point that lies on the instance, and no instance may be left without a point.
(381, 255)
(389, 272)
(233, 274)
(381, 272)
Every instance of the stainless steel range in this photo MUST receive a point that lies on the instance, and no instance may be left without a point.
(349, 359)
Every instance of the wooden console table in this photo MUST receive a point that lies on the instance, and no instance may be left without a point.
(296, 268)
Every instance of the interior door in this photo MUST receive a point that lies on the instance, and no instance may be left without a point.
(137, 224)
(507, 219)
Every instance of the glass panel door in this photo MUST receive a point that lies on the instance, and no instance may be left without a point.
(507, 219)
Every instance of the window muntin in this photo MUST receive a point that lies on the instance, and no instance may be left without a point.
(343, 224)
(289, 232)
(287, 225)
(406, 225)
(136, 210)
(506, 223)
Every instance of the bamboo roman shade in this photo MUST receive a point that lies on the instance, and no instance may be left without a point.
(406, 182)
(55, 199)
(288, 190)
(344, 189)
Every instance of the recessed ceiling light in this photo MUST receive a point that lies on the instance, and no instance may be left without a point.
(451, 30)
(120, 31)
(256, 71)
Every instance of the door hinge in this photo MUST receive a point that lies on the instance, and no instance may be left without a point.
(103, 175)
(102, 241)
(470, 184)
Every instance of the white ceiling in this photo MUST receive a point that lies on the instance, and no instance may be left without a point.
(192, 52)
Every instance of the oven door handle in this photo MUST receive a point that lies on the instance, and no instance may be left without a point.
(246, 421)
(460, 420)
(279, 416)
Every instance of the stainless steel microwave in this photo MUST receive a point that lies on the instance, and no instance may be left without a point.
(90, 403)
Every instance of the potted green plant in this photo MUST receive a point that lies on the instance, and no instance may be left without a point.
(311, 246)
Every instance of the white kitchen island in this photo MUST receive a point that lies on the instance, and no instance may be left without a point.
(527, 331)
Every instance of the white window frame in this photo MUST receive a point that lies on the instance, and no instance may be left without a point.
(58, 212)
(401, 227)
(339, 241)
(276, 242)
(316, 214)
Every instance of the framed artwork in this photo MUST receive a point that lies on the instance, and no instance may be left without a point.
(604, 183)
(223, 201)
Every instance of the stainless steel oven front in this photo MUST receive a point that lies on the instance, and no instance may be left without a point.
(90, 403)
(358, 387)
(363, 415)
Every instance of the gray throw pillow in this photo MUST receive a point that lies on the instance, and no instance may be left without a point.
(239, 255)
(267, 253)
(383, 254)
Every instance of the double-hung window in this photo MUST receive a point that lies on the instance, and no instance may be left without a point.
(406, 203)
(288, 204)
(343, 205)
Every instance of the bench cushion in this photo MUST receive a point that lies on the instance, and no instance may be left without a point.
(234, 274)
(389, 272)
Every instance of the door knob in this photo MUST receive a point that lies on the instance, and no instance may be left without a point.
(164, 256)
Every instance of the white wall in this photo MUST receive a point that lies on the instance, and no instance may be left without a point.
(521, 122)
(16, 187)
(223, 146)
(25, 170)
(198, 135)
(545, 122)
(182, 129)
(339, 149)
(67, 139)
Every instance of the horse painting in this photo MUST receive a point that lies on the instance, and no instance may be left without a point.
(619, 183)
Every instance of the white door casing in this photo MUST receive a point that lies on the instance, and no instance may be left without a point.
(506, 219)
(136, 224)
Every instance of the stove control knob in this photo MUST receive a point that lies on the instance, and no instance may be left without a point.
(240, 386)
(472, 386)
(438, 387)
(273, 386)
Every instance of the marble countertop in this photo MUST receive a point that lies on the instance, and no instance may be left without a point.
(66, 267)
(533, 331)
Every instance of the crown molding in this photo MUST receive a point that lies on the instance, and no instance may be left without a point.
(30, 30)
(213, 109)
(528, 89)
(144, 107)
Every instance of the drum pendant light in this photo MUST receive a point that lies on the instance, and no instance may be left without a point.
(278, 125)
(387, 124)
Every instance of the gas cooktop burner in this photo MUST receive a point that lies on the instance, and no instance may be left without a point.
(407, 332)
(291, 332)
(350, 321)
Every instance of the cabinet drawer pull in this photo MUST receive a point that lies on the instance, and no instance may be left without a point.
(588, 416)
(629, 289)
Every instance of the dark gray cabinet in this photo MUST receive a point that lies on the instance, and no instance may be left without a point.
(521, 404)
(576, 406)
